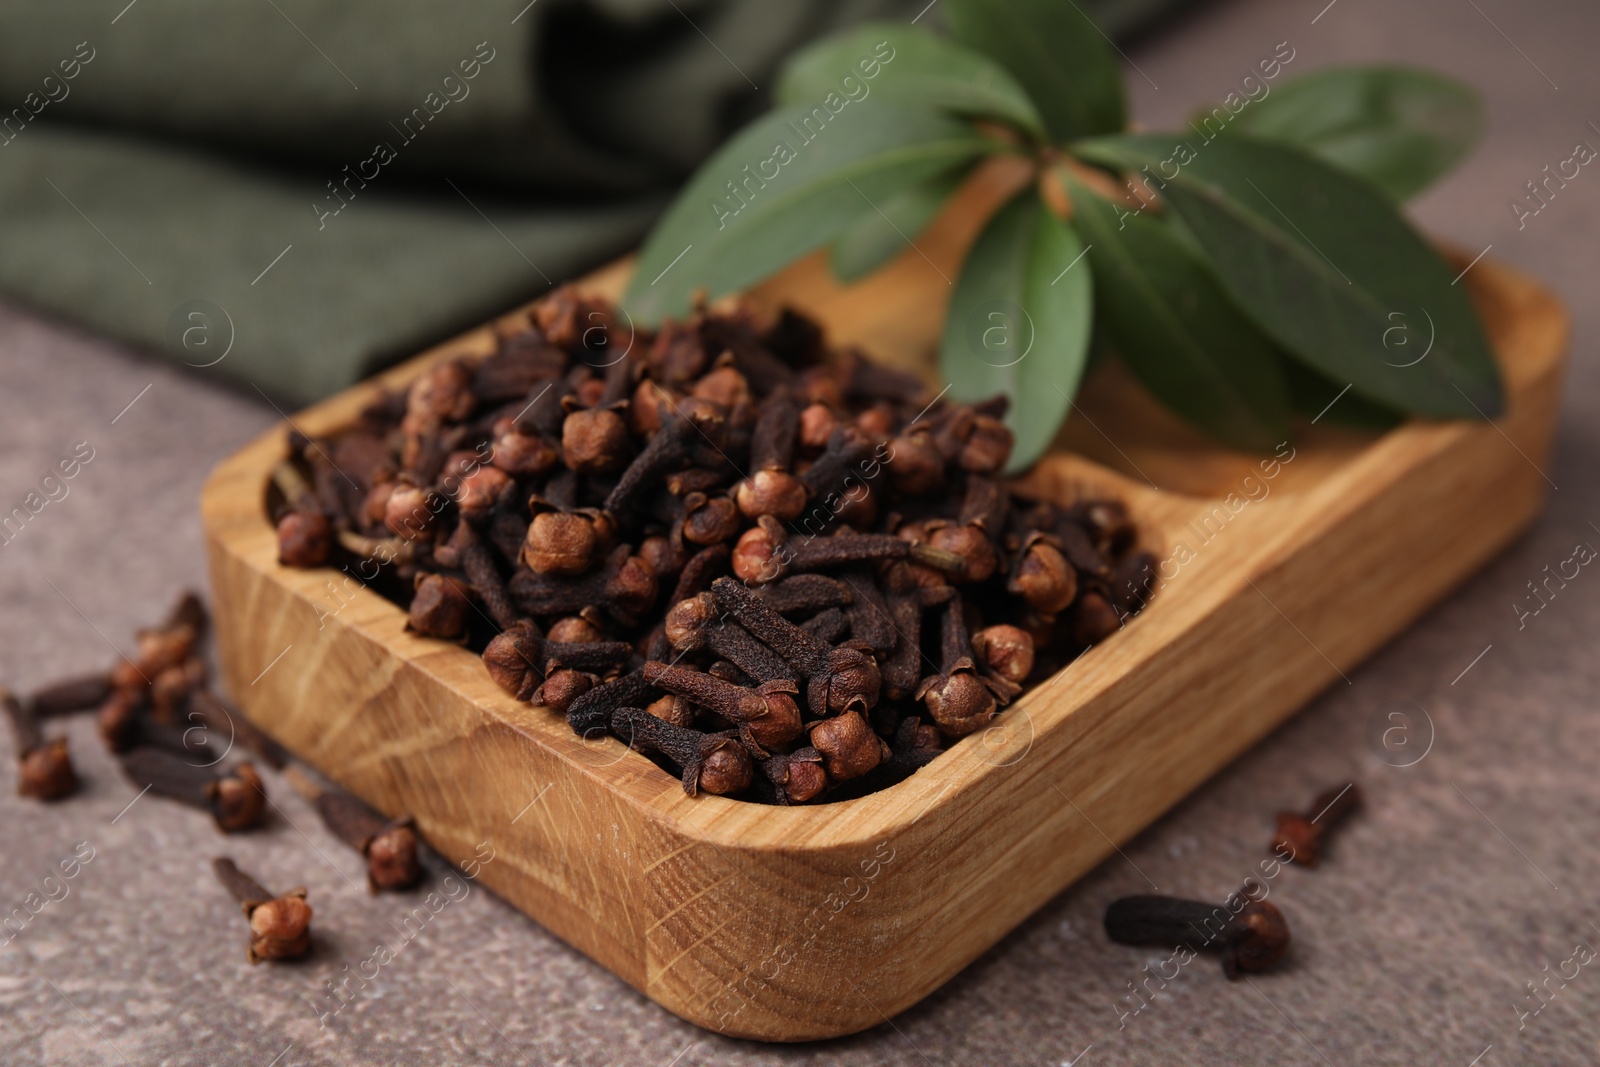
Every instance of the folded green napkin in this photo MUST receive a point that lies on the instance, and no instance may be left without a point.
(290, 193)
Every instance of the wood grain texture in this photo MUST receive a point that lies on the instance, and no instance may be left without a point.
(798, 923)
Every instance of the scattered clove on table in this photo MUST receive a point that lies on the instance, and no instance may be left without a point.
(234, 797)
(44, 767)
(280, 925)
(389, 845)
(1251, 935)
(731, 540)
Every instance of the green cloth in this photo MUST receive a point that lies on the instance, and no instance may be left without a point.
(320, 187)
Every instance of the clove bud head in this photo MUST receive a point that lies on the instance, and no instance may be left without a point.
(771, 492)
(280, 929)
(988, 447)
(1299, 837)
(757, 556)
(726, 769)
(959, 702)
(687, 619)
(562, 542)
(392, 858)
(915, 468)
(1044, 578)
(482, 489)
(798, 777)
(1093, 619)
(305, 538)
(438, 607)
(777, 717)
(848, 746)
(709, 521)
(575, 630)
(409, 513)
(852, 680)
(561, 687)
(522, 453)
(674, 709)
(1005, 650)
(45, 771)
(817, 423)
(238, 800)
(510, 659)
(1261, 941)
(971, 545)
(595, 441)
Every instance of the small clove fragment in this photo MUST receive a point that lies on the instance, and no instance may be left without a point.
(280, 926)
(777, 546)
(389, 845)
(1251, 935)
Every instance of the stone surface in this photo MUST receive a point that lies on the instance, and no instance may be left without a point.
(1469, 876)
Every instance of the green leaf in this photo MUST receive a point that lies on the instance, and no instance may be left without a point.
(882, 231)
(1177, 330)
(1325, 265)
(1399, 127)
(906, 65)
(1325, 400)
(1019, 322)
(780, 189)
(1058, 54)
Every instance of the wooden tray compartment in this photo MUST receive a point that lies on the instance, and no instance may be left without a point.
(800, 923)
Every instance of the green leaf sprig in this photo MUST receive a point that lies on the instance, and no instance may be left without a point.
(1246, 268)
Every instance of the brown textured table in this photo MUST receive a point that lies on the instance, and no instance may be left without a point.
(1472, 873)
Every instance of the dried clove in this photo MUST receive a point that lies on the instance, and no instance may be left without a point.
(670, 448)
(1042, 576)
(280, 926)
(958, 699)
(305, 536)
(389, 845)
(796, 777)
(1303, 837)
(235, 798)
(44, 767)
(772, 489)
(520, 658)
(767, 716)
(849, 747)
(715, 763)
(439, 607)
(1251, 937)
(837, 679)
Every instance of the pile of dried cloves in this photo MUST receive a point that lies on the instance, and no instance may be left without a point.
(787, 572)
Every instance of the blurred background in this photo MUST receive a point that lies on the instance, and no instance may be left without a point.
(335, 186)
(223, 160)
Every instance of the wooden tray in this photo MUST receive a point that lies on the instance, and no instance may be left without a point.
(797, 923)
